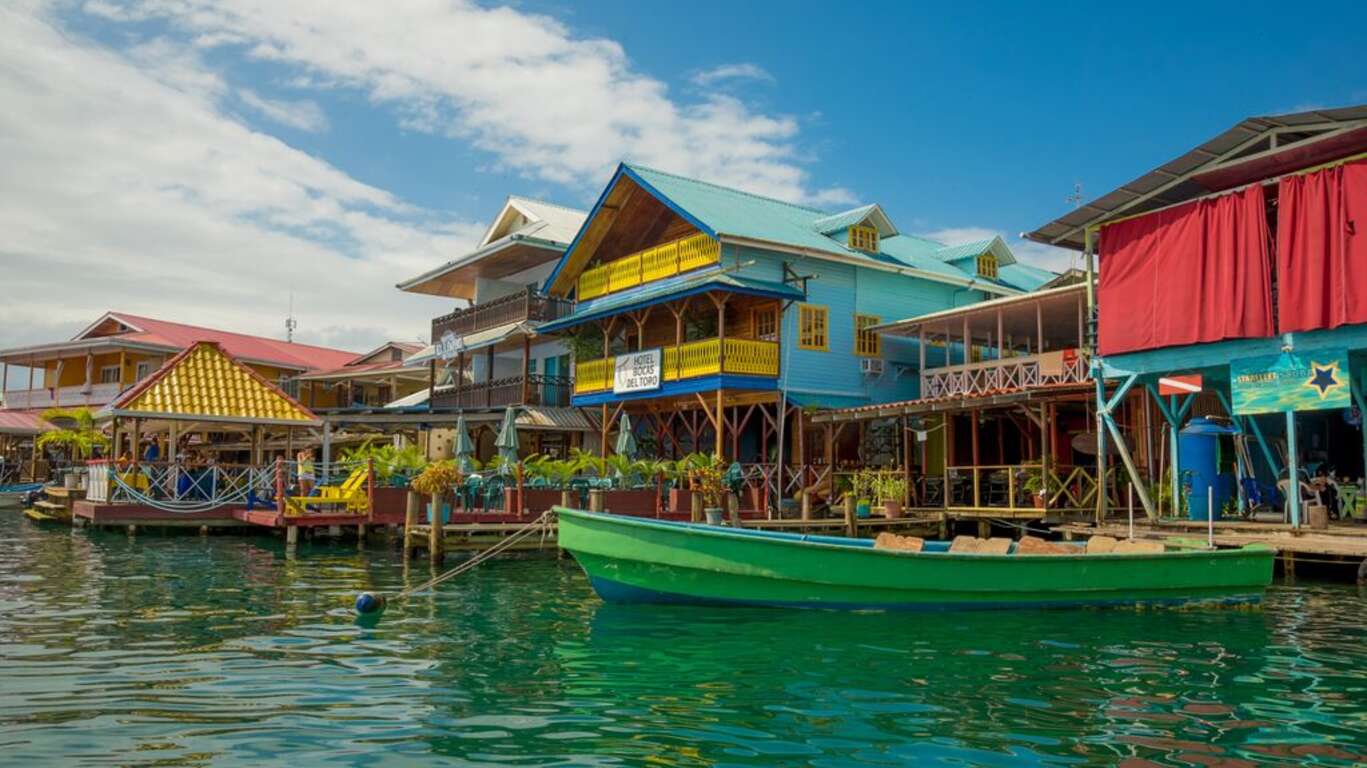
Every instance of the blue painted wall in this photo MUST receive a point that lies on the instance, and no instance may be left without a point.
(846, 289)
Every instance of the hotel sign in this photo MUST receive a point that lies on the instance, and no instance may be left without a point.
(637, 372)
(1291, 382)
(449, 345)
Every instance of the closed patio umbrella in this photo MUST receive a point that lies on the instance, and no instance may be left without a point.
(507, 437)
(626, 439)
(463, 448)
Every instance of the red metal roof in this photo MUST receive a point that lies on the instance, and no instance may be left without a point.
(238, 345)
(22, 423)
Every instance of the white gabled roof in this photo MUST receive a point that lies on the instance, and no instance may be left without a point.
(538, 218)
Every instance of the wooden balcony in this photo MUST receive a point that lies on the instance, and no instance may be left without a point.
(540, 389)
(529, 305)
(1012, 374)
(686, 361)
(647, 266)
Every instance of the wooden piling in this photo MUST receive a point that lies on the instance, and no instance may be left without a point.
(984, 529)
(291, 535)
(436, 538)
(410, 520)
(851, 523)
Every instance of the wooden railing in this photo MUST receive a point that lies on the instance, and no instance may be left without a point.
(95, 394)
(1002, 487)
(649, 265)
(706, 357)
(540, 390)
(1011, 374)
(529, 304)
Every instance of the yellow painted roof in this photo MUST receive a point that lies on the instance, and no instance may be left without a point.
(204, 382)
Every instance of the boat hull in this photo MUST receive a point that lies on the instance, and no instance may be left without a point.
(647, 561)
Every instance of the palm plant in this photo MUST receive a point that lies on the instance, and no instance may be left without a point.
(79, 440)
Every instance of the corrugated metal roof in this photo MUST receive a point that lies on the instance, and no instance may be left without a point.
(1242, 154)
(255, 348)
(23, 423)
(205, 383)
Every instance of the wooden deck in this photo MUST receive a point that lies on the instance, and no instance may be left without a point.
(1340, 544)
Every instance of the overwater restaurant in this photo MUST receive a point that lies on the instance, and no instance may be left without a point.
(1004, 426)
(1230, 288)
(722, 321)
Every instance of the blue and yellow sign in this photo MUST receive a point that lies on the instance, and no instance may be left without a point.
(1291, 382)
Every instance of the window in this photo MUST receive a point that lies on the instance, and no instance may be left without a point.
(812, 328)
(288, 385)
(764, 323)
(143, 370)
(867, 343)
(864, 238)
(531, 366)
(987, 265)
(109, 374)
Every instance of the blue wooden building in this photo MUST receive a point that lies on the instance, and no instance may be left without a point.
(720, 320)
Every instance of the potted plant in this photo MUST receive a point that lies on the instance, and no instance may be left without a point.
(76, 435)
(439, 481)
(892, 488)
(710, 481)
(1034, 485)
(864, 485)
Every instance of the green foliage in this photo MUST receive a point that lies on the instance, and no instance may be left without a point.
(710, 481)
(439, 480)
(890, 486)
(389, 462)
(556, 472)
(585, 343)
(1034, 482)
(79, 440)
(864, 484)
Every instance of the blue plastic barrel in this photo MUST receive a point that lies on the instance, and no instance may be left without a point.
(1198, 446)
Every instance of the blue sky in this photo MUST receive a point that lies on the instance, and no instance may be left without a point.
(200, 160)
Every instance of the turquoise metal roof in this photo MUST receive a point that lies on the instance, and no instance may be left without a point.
(1023, 276)
(822, 400)
(966, 251)
(673, 288)
(727, 211)
(836, 222)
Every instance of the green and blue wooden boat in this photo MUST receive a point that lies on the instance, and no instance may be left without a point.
(640, 560)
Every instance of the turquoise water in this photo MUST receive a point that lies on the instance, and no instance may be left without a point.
(225, 650)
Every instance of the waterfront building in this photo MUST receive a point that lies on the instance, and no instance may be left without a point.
(721, 320)
(489, 354)
(1229, 286)
(371, 380)
(120, 349)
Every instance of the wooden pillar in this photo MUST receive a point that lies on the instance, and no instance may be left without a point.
(526, 364)
(977, 495)
(1293, 487)
(431, 382)
(603, 443)
(1044, 451)
(436, 538)
(717, 427)
(489, 377)
(948, 429)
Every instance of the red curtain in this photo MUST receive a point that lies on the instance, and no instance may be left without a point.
(1191, 273)
(1322, 248)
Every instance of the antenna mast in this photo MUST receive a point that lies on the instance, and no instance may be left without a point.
(290, 322)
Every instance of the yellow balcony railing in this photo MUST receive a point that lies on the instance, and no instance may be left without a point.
(592, 375)
(647, 266)
(706, 357)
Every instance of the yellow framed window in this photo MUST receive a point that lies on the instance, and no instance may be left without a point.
(864, 238)
(987, 265)
(813, 328)
(764, 323)
(866, 342)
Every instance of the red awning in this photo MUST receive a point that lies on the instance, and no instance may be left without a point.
(1322, 248)
(22, 423)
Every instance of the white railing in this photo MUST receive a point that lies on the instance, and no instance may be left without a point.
(61, 397)
(1012, 374)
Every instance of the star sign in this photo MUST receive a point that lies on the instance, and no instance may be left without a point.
(1324, 378)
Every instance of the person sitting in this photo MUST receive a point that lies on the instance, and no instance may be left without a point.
(1328, 490)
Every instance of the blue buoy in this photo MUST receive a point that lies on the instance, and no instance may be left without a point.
(368, 603)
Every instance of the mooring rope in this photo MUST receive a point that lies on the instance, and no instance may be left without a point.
(370, 603)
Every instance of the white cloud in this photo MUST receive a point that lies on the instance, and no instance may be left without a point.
(303, 115)
(1026, 251)
(128, 186)
(545, 103)
(741, 71)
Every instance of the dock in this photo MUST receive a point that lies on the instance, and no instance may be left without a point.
(1341, 544)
